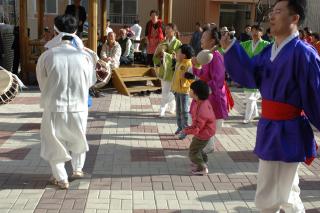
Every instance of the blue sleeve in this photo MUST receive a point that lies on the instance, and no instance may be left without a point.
(309, 83)
(240, 67)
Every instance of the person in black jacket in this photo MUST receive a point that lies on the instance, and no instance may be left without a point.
(246, 35)
(79, 12)
(16, 50)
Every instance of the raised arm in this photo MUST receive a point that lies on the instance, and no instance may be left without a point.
(241, 68)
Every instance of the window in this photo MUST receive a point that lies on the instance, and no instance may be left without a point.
(51, 6)
(7, 11)
(122, 11)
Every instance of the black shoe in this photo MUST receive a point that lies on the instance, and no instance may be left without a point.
(159, 91)
(142, 93)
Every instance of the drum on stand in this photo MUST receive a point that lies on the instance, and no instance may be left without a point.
(9, 86)
(104, 73)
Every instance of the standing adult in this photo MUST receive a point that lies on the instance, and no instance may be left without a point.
(79, 12)
(195, 41)
(214, 74)
(246, 35)
(165, 57)
(136, 28)
(108, 28)
(154, 33)
(287, 74)
(267, 36)
(16, 50)
(65, 72)
(253, 47)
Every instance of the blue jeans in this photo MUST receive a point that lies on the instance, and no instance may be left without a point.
(182, 107)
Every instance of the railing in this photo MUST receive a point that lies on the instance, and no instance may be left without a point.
(36, 48)
(117, 18)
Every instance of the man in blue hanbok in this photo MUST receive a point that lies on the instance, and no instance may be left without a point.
(287, 73)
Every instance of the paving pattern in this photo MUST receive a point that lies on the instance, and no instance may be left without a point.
(135, 163)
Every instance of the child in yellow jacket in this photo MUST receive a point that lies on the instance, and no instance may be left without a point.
(181, 87)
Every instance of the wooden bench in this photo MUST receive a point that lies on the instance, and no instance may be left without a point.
(128, 80)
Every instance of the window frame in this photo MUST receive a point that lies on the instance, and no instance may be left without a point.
(35, 7)
(57, 8)
(122, 12)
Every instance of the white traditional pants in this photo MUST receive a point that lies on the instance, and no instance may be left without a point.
(278, 187)
(251, 105)
(62, 133)
(210, 146)
(58, 169)
(168, 99)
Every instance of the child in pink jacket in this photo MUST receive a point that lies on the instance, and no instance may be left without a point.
(203, 126)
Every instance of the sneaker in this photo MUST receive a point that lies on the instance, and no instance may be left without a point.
(193, 166)
(182, 136)
(177, 131)
(245, 121)
(202, 172)
(77, 175)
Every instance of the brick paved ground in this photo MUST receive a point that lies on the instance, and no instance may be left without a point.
(135, 163)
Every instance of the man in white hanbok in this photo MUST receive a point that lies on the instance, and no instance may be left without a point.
(65, 72)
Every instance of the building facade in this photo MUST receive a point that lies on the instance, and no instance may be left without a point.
(185, 13)
(313, 15)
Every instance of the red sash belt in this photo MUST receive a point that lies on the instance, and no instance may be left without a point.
(273, 110)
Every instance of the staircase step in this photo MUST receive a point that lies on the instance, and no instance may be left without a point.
(140, 78)
(142, 88)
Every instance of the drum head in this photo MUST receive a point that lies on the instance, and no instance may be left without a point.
(5, 81)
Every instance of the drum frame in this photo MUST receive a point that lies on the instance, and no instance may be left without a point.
(11, 93)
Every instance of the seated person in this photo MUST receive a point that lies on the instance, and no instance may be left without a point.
(111, 51)
(47, 36)
(127, 51)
